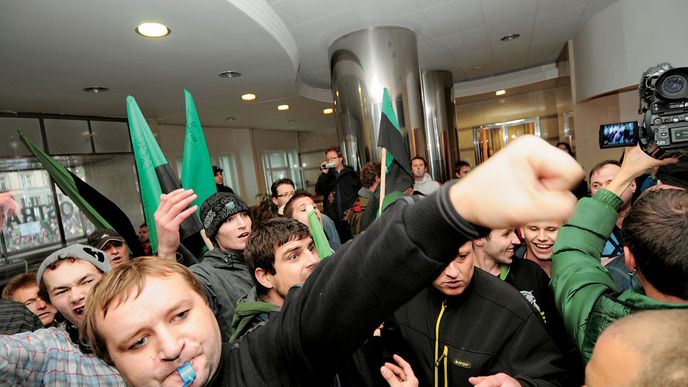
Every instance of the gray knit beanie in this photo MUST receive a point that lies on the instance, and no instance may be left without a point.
(217, 208)
(98, 258)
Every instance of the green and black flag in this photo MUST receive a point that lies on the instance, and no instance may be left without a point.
(100, 210)
(156, 177)
(398, 163)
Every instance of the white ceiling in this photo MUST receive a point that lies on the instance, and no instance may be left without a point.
(50, 50)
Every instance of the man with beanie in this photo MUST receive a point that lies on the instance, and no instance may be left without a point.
(223, 271)
(52, 356)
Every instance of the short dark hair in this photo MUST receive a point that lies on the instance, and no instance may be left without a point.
(334, 149)
(421, 159)
(277, 183)
(655, 231)
(567, 146)
(460, 164)
(601, 165)
(143, 225)
(265, 239)
(289, 207)
(17, 282)
(369, 172)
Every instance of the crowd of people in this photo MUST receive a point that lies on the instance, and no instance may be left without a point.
(499, 277)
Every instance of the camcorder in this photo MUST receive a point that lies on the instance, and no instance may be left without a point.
(663, 132)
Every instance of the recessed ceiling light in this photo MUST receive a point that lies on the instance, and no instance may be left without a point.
(283, 107)
(230, 119)
(229, 74)
(328, 111)
(292, 122)
(510, 37)
(95, 89)
(500, 92)
(152, 30)
(248, 97)
(477, 67)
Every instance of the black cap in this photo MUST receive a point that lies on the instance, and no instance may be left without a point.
(100, 237)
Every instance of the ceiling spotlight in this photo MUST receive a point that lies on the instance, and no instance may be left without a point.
(500, 92)
(510, 37)
(283, 107)
(292, 122)
(230, 119)
(248, 97)
(328, 111)
(229, 74)
(152, 30)
(95, 89)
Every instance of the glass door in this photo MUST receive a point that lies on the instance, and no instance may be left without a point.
(489, 139)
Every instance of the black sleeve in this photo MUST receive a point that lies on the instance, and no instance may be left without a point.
(366, 280)
(16, 318)
(322, 185)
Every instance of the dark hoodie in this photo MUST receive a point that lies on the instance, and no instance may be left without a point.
(225, 278)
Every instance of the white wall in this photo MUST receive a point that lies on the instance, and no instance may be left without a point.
(615, 46)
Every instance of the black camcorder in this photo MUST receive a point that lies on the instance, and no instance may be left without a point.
(663, 132)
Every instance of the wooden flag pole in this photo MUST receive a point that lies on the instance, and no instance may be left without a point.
(383, 174)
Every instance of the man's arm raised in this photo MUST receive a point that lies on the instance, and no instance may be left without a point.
(170, 214)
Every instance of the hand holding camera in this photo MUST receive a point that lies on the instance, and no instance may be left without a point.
(326, 166)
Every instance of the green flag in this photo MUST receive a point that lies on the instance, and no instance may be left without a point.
(398, 163)
(318, 234)
(197, 171)
(148, 155)
(156, 177)
(100, 210)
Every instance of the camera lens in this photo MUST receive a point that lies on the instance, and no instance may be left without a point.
(673, 85)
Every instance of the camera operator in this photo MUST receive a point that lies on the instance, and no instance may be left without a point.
(338, 185)
(654, 252)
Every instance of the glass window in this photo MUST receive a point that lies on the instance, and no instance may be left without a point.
(10, 145)
(36, 223)
(110, 136)
(278, 164)
(67, 136)
(228, 164)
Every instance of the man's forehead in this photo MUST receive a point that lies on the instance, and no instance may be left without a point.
(76, 266)
(543, 224)
(284, 187)
(607, 171)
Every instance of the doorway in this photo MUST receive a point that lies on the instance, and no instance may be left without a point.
(489, 139)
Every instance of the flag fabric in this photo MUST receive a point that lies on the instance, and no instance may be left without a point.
(156, 177)
(318, 234)
(398, 163)
(197, 173)
(100, 210)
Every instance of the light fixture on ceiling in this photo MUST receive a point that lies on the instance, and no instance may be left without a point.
(292, 122)
(230, 119)
(510, 37)
(95, 89)
(229, 74)
(152, 30)
(248, 97)
(283, 107)
(477, 67)
(328, 111)
(500, 92)
(514, 122)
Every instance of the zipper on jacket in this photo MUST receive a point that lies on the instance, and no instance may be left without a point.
(439, 359)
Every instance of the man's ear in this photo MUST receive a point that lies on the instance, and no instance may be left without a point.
(264, 278)
(633, 186)
(275, 202)
(479, 242)
(629, 260)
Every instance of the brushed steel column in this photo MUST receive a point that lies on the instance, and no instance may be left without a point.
(362, 64)
(440, 134)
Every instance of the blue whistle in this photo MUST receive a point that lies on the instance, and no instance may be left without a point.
(187, 373)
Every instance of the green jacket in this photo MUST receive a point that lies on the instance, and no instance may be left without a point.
(586, 296)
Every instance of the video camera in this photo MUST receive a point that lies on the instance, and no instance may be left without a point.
(663, 132)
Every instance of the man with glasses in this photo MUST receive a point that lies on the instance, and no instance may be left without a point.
(338, 185)
(282, 190)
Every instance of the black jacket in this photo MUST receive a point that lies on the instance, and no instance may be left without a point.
(348, 185)
(489, 328)
(347, 296)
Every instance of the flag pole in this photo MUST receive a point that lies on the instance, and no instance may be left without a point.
(383, 174)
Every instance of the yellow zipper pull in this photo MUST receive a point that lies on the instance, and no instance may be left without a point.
(445, 355)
